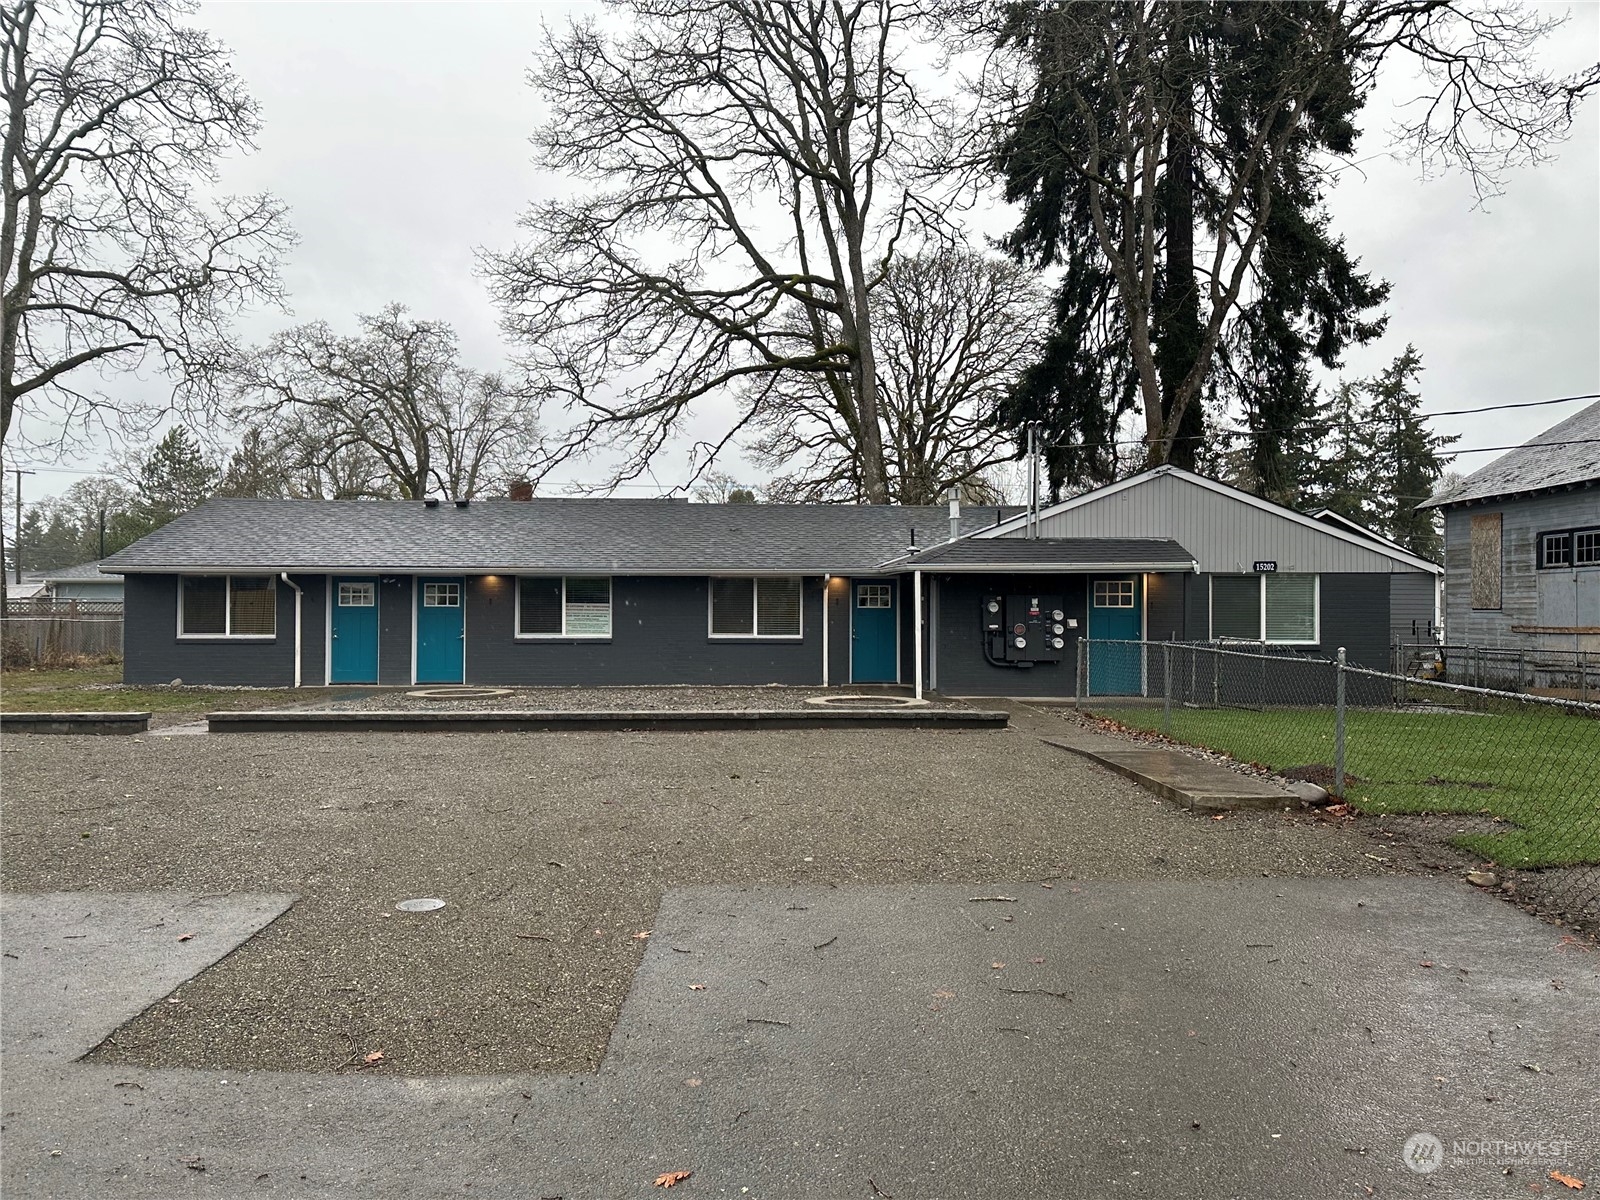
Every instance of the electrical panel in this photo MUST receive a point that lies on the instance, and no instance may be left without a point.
(1025, 629)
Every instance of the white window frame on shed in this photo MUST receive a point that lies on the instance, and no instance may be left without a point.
(227, 610)
(755, 634)
(566, 634)
(1261, 608)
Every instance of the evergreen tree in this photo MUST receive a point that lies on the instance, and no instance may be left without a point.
(1405, 456)
(175, 478)
(256, 469)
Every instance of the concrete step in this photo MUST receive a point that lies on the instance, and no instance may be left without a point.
(681, 720)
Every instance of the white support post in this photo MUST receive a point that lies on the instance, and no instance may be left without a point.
(826, 581)
(916, 621)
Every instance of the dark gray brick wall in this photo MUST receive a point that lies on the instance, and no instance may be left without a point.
(153, 652)
(658, 636)
(962, 668)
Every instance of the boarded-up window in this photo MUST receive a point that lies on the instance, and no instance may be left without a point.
(1486, 561)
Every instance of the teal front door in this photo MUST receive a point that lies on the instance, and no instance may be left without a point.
(1116, 614)
(874, 640)
(353, 656)
(441, 632)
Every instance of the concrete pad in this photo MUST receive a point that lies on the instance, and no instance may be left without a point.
(79, 964)
(1187, 781)
(1226, 1038)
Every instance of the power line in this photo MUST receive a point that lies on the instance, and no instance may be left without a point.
(1448, 412)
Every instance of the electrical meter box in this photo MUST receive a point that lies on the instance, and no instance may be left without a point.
(1026, 628)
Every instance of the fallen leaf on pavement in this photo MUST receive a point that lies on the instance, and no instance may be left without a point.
(1219, 816)
(697, 987)
(641, 935)
(997, 966)
(1571, 1181)
(1036, 961)
(375, 1057)
(1426, 963)
(671, 1178)
(195, 1163)
(184, 937)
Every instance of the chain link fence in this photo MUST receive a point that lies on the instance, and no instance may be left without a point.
(1569, 674)
(1507, 775)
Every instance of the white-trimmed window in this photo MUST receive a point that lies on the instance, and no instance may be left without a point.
(230, 606)
(357, 595)
(760, 608)
(1586, 547)
(1569, 548)
(441, 595)
(1269, 607)
(571, 606)
(1113, 593)
(874, 595)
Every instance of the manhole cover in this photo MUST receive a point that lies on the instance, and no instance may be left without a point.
(421, 904)
(847, 700)
(458, 693)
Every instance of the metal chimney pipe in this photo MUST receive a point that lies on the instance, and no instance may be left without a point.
(955, 516)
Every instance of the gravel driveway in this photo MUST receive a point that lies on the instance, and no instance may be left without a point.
(552, 851)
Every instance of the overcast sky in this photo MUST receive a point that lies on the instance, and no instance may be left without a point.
(398, 135)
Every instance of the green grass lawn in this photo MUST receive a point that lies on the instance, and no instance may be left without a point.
(100, 689)
(1541, 767)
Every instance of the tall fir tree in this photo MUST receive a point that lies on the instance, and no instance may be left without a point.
(177, 477)
(1407, 457)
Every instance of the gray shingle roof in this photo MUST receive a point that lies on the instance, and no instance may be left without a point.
(543, 534)
(88, 570)
(1055, 554)
(1537, 465)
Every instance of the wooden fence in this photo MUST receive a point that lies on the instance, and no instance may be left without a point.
(45, 632)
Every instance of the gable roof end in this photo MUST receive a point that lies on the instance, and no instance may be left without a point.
(1541, 464)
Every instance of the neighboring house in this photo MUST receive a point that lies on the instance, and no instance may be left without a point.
(85, 581)
(595, 591)
(1522, 545)
(1416, 602)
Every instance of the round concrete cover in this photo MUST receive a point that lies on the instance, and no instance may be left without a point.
(421, 904)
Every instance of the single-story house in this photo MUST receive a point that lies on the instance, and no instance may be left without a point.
(599, 591)
(1522, 545)
(85, 581)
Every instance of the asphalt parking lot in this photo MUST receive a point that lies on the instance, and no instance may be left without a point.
(553, 853)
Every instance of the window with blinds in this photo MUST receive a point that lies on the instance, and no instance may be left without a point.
(763, 608)
(574, 606)
(244, 606)
(1265, 608)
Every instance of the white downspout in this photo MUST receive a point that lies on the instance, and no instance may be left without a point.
(826, 581)
(298, 597)
(916, 589)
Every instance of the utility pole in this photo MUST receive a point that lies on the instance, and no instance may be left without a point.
(16, 544)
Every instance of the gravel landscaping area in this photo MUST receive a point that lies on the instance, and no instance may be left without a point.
(552, 851)
(590, 699)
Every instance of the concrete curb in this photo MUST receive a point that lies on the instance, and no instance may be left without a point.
(664, 720)
(1207, 792)
(75, 722)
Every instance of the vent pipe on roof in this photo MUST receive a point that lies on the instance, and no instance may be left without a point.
(462, 503)
(431, 502)
(955, 516)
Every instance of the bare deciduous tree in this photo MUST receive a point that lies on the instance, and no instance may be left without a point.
(954, 329)
(114, 250)
(746, 168)
(398, 395)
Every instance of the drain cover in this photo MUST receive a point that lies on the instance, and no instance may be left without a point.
(856, 700)
(421, 904)
(458, 693)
